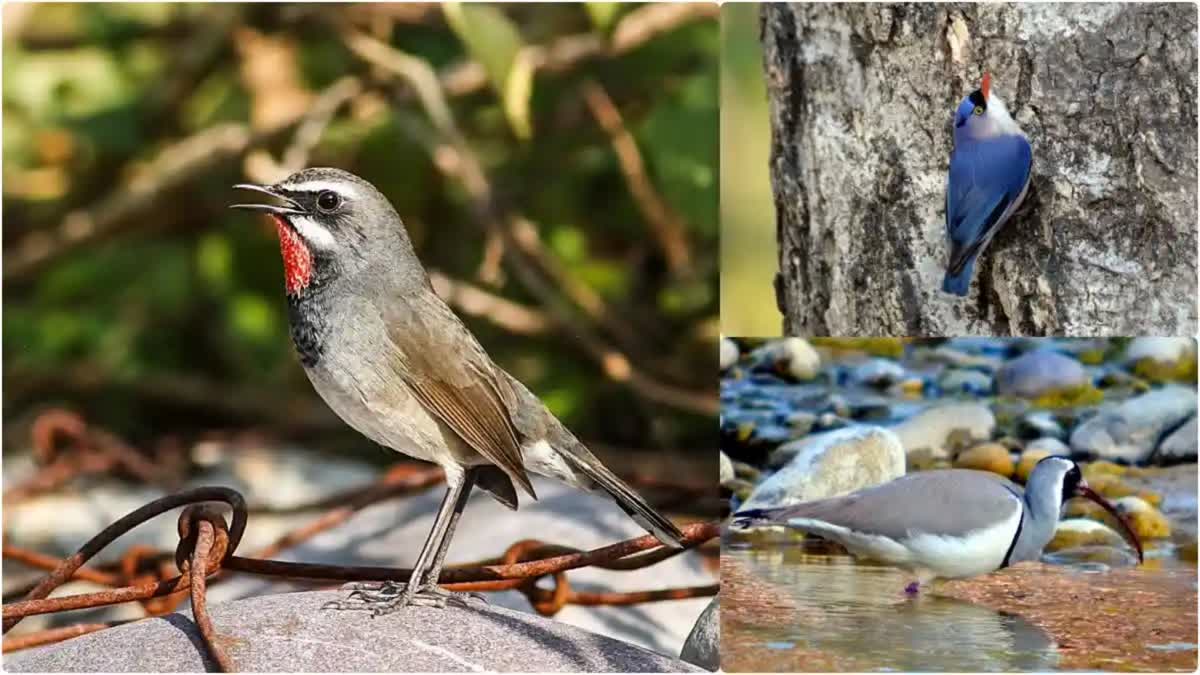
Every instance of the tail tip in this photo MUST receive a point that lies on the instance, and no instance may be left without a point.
(956, 284)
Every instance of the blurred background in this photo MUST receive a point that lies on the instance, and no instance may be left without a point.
(748, 252)
(556, 166)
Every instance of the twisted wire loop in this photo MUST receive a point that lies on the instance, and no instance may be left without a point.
(207, 545)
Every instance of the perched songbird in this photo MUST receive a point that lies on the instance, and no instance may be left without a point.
(989, 174)
(394, 362)
(952, 523)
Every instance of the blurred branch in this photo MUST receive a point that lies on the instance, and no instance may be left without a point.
(472, 300)
(529, 260)
(240, 402)
(131, 205)
(667, 226)
(637, 28)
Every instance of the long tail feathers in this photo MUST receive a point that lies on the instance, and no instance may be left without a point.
(629, 501)
(958, 284)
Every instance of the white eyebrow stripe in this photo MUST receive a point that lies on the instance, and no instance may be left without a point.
(343, 188)
(313, 232)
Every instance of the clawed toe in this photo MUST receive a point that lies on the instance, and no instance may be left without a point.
(385, 598)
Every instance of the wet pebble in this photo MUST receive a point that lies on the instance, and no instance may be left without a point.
(1076, 532)
(959, 381)
(1180, 445)
(878, 373)
(831, 464)
(1039, 373)
(991, 457)
(1041, 424)
(1128, 431)
(943, 427)
(1147, 521)
(792, 357)
(729, 353)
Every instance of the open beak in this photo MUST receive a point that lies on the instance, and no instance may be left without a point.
(290, 206)
(1082, 490)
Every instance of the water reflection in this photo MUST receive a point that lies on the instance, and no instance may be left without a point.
(857, 617)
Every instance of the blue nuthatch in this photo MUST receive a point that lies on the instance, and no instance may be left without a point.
(989, 175)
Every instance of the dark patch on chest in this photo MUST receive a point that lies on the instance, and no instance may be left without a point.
(308, 329)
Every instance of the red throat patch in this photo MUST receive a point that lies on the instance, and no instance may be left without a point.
(297, 259)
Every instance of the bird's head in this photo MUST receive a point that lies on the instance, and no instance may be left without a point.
(1063, 475)
(331, 223)
(983, 115)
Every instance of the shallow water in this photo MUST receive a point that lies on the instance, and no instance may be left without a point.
(787, 609)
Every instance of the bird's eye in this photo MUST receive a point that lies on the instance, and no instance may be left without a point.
(978, 110)
(328, 200)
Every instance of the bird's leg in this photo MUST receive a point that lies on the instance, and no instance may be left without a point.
(394, 595)
(913, 588)
(435, 571)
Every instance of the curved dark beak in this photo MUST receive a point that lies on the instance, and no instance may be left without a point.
(290, 206)
(1082, 490)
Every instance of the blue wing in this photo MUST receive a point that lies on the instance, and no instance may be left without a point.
(986, 178)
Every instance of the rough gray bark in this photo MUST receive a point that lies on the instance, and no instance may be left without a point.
(862, 99)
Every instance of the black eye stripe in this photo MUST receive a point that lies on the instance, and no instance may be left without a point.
(977, 99)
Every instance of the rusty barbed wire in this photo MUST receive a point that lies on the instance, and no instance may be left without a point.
(161, 581)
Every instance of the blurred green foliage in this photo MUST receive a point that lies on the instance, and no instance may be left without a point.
(186, 291)
(749, 256)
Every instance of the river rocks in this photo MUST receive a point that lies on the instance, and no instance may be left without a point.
(703, 645)
(290, 633)
(1041, 424)
(830, 464)
(1162, 358)
(1076, 532)
(957, 380)
(726, 470)
(991, 457)
(1180, 445)
(1147, 521)
(879, 373)
(943, 427)
(729, 353)
(1129, 431)
(1039, 373)
(791, 357)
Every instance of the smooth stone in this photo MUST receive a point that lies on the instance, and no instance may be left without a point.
(726, 468)
(831, 464)
(291, 633)
(1180, 445)
(1129, 430)
(703, 645)
(878, 372)
(991, 457)
(1094, 558)
(1166, 350)
(958, 380)
(729, 353)
(1076, 532)
(1042, 424)
(791, 356)
(934, 427)
(1147, 521)
(1039, 372)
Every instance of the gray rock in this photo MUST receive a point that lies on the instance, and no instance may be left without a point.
(793, 356)
(291, 633)
(1039, 372)
(1180, 445)
(1050, 445)
(1166, 350)
(830, 464)
(878, 372)
(1128, 431)
(1042, 424)
(703, 645)
(971, 381)
(729, 353)
(934, 428)
(726, 469)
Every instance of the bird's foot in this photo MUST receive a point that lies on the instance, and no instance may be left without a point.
(912, 589)
(390, 596)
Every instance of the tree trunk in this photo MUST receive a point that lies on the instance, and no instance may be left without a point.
(862, 101)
